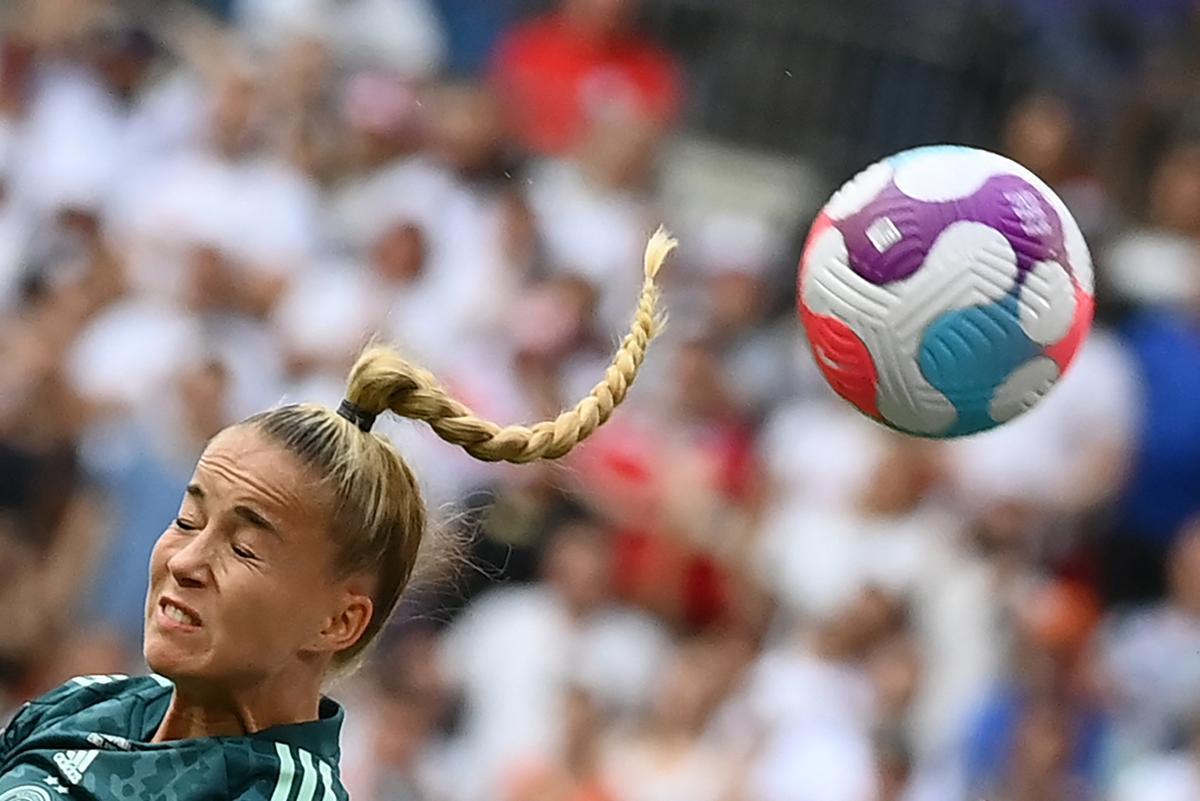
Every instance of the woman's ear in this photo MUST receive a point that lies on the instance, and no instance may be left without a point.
(346, 625)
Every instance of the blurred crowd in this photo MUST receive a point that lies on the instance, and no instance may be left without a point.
(739, 590)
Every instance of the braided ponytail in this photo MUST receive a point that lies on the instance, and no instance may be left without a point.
(382, 380)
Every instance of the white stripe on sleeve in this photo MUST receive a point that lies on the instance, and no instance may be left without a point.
(287, 772)
(308, 785)
(327, 778)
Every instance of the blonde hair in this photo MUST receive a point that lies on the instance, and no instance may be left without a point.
(378, 517)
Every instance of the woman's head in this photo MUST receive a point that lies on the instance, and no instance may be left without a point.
(295, 529)
(300, 529)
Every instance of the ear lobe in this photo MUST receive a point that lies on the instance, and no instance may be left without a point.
(346, 627)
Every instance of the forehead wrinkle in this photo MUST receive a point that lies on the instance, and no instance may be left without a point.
(230, 469)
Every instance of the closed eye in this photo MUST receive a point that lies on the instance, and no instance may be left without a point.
(184, 526)
(243, 552)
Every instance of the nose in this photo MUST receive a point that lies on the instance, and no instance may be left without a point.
(191, 565)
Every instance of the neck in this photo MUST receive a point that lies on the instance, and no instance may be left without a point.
(200, 710)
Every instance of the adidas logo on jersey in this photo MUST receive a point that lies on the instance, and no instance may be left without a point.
(73, 764)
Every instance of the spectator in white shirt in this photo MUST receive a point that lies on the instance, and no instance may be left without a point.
(1151, 658)
(515, 652)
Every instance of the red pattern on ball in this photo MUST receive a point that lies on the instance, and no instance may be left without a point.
(843, 359)
(818, 227)
(1063, 351)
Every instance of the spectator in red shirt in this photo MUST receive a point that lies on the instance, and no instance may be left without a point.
(561, 71)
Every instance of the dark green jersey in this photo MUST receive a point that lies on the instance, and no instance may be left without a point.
(89, 739)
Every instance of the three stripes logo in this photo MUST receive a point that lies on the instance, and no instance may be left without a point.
(307, 769)
(73, 764)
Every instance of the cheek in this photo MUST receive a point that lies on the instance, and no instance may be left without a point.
(159, 557)
(272, 611)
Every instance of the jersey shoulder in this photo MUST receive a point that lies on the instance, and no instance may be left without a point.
(76, 697)
(82, 692)
(94, 730)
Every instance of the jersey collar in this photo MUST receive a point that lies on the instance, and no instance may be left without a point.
(319, 736)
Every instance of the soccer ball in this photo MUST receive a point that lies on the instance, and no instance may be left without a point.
(945, 290)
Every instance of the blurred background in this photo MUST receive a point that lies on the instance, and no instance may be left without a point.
(740, 590)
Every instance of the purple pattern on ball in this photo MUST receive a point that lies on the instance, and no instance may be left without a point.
(1007, 203)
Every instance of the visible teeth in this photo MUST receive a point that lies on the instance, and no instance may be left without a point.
(178, 615)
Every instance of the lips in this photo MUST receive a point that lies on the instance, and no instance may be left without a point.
(178, 613)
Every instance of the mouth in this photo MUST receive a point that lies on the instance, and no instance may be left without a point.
(177, 615)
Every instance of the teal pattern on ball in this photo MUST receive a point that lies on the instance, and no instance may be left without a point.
(967, 354)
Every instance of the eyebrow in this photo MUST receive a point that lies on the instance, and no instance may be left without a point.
(241, 510)
(255, 519)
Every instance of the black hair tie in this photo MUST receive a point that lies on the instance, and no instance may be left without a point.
(360, 417)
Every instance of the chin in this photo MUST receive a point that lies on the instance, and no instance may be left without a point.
(167, 659)
(160, 661)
